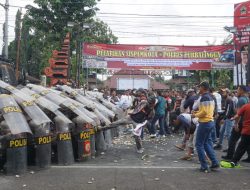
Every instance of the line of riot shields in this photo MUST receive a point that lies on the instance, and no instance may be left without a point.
(40, 126)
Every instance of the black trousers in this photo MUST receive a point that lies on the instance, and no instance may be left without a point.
(235, 136)
(241, 148)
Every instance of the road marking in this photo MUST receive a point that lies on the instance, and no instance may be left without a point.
(120, 167)
(128, 167)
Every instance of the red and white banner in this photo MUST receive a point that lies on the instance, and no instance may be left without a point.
(241, 21)
(241, 40)
(150, 57)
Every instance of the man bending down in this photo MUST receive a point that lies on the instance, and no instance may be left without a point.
(142, 112)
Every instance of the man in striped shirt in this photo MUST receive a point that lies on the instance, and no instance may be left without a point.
(205, 113)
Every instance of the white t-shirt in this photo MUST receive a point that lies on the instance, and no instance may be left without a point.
(187, 117)
(125, 102)
(218, 100)
(182, 107)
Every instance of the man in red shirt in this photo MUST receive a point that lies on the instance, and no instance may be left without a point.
(245, 133)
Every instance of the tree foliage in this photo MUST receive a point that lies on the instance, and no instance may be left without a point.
(222, 77)
(13, 45)
(45, 25)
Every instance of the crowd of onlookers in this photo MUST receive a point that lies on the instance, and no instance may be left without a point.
(207, 116)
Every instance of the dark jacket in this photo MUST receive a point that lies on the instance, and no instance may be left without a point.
(229, 109)
(190, 102)
(142, 112)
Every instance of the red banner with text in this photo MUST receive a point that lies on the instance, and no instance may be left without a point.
(241, 40)
(241, 21)
(151, 57)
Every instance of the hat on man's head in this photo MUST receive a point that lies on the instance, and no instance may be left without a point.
(151, 99)
(142, 91)
(204, 84)
(243, 87)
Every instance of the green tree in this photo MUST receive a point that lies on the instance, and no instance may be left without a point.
(202, 76)
(13, 45)
(159, 78)
(45, 26)
(222, 77)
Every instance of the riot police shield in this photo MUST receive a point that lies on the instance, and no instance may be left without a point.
(27, 103)
(13, 115)
(63, 143)
(48, 94)
(33, 111)
(81, 140)
(42, 139)
(41, 101)
(14, 126)
(87, 101)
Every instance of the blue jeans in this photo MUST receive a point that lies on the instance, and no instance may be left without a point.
(161, 119)
(166, 123)
(204, 144)
(213, 134)
(226, 128)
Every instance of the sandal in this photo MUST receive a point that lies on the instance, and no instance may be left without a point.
(186, 157)
(180, 147)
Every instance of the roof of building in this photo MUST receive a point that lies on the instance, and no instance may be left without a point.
(112, 81)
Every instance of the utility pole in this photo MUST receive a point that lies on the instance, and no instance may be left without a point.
(78, 63)
(6, 23)
(18, 47)
(6, 29)
(77, 57)
(235, 63)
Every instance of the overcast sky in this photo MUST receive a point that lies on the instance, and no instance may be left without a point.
(150, 21)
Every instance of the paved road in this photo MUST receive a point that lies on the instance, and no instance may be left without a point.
(128, 178)
(121, 168)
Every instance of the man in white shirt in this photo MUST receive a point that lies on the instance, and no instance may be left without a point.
(219, 111)
(125, 101)
(218, 100)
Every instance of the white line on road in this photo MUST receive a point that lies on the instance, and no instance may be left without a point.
(126, 167)
(121, 167)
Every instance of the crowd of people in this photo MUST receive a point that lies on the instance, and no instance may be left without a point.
(207, 116)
